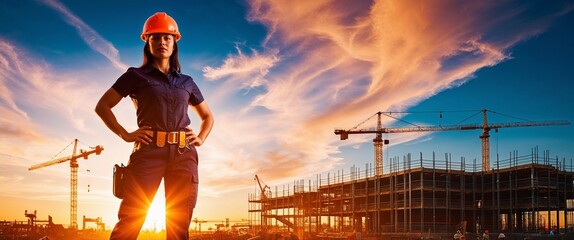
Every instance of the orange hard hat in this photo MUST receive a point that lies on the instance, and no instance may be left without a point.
(160, 22)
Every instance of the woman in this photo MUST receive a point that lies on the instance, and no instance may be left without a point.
(164, 144)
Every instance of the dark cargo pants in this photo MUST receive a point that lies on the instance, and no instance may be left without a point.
(146, 168)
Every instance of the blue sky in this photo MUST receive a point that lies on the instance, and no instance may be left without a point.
(280, 76)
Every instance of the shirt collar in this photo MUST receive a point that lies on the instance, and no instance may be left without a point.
(149, 67)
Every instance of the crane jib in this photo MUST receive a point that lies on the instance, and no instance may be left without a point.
(344, 134)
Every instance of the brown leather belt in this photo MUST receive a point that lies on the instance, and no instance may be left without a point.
(174, 138)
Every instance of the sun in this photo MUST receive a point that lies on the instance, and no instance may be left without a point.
(155, 220)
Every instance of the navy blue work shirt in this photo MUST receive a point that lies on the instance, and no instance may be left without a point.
(161, 100)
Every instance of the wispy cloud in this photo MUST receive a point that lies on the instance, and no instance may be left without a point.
(334, 63)
(34, 96)
(42, 108)
(246, 71)
(89, 35)
(16, 125)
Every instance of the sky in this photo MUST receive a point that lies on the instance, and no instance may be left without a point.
(279, 77)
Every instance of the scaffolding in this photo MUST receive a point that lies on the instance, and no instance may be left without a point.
(425, 198)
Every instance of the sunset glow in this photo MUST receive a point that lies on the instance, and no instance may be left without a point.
(156, 216)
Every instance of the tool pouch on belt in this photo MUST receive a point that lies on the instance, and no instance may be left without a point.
(118, 179)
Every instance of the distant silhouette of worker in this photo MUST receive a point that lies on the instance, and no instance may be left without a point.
(164, 145)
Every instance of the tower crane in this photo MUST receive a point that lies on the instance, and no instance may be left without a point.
(197, 221)
(73, 176)
(263, 201)
(485, 126)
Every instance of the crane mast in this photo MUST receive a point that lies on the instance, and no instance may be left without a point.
(485, 140)
(73, 177)
(74, 188)
(263, 202)
(378, 142)
(485, 136)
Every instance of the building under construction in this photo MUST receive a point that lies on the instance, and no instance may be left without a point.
(424, 197)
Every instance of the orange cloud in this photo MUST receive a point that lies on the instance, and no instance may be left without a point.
(338, 62)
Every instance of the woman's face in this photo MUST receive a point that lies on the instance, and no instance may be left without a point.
(161, 45)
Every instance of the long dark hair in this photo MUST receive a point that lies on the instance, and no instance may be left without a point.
(173, 59)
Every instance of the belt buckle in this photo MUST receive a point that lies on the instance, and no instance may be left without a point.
(173, 138)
